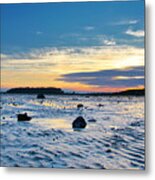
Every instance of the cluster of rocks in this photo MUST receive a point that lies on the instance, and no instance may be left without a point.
(79, 122)
(24, 116)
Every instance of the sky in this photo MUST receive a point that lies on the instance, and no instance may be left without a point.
(80, 46)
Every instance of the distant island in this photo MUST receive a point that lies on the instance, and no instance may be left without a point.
(132, 92)
(59, 91)
(27, 90)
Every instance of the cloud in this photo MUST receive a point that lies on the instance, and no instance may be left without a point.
(138, 33)
(89, 28)
(47, 65)
(3, 57)
(130, 77)
(100, 39)
(39, 33)
(70, 59)
(126, 22)
(111, 42)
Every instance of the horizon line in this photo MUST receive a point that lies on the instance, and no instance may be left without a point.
(71, 91)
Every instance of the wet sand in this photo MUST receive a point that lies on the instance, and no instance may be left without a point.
(114, 141)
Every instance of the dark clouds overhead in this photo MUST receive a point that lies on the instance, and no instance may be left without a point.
(130, 77)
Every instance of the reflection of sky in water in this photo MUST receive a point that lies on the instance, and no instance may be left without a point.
(53, 123)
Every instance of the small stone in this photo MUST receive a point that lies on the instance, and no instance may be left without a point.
(108, 151)
(100, 105)
(80, 106)
(40, 96)
(92, 120)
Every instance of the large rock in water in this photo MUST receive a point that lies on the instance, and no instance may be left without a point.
(40, 96)
(79, 122)
(23, 117)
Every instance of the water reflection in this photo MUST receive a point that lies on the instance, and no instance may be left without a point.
(53, 123)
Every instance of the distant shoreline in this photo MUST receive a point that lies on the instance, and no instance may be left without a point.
(59, 91)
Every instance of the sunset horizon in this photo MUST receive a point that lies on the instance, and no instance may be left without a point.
(73, 85)
(101, 52)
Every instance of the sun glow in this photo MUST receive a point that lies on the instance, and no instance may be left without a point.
(43, 67)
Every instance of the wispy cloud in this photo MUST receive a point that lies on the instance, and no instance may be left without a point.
(126, 22)
(39, 33)
(111, 42)
(47, 65)
(89, 28)
(138, 33)
(71, 58)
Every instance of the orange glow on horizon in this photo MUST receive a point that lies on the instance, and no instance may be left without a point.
(44, 82)
(48, 67)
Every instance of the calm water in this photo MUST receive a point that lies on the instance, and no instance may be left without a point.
(114, 141)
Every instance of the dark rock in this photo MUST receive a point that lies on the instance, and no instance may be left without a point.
(79, 122)
(29, 134)
(138, 123)
(23, 117)
(40, 96)
(14, 104)
(108, 151)
(92, 120)
(79, 106)
(100, 105)
(106, 145)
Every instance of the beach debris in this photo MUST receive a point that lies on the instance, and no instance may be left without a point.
(92, 120)
(80, 106)
(23, 117)
(79, 122)
(40, 96)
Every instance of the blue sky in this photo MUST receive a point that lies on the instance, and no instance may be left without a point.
(56, 43)
(26, 26)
